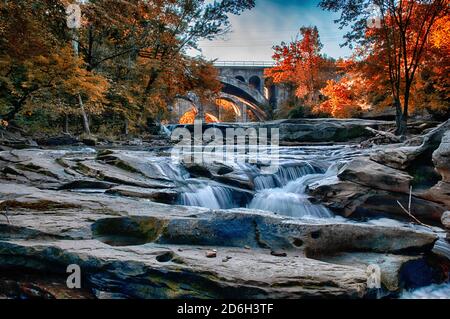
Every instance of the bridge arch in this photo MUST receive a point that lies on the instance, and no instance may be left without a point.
(240, 78)
(255, 82)
(235, 87)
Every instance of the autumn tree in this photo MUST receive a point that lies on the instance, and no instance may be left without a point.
(38, 69)
(398, 40)
(142, 45)
(301, 66)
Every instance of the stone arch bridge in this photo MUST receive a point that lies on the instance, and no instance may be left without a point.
(246, 95)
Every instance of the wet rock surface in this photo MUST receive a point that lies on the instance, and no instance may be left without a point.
(115, 213)
(147, 250)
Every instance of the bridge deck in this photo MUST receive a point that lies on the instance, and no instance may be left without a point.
(264, 64)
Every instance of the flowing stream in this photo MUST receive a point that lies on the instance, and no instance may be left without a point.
(282, 192)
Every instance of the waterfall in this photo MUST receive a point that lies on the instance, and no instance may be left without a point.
(214, 197)
(292, 173)
(285, 174)
(291, 200)
(289, 204)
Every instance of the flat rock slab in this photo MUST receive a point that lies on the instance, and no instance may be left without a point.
(389, 266)
(165, 196)
(151, 271)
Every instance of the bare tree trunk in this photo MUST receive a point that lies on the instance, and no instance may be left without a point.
(66, 124)
(398, 116)
(126, 128)
(86, 128)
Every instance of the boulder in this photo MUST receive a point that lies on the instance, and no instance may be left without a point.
(351, 199)
(401, 156)
(441, 158)
(371, 174)
(342, 197)
(90, 141)
(440, 193)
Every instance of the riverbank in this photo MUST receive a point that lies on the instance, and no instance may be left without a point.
(141, 225)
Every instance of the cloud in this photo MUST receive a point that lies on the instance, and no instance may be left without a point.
(255, 32)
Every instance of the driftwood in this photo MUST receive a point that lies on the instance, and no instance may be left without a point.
(387, 135)
(381, 137)
(409, 212)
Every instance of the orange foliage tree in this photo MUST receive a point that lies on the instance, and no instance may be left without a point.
(397, 46)
(300, 65)
(38, 69)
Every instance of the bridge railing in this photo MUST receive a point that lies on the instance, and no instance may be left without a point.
(267, 64)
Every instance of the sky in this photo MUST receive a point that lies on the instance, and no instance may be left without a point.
(255, 32)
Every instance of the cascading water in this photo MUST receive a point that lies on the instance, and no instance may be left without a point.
(214, 197)
(291, 200)
(285, 175)
(282, 193)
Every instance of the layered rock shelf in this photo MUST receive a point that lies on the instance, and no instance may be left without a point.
(131, 220)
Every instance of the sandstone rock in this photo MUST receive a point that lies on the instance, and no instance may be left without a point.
(90, 141)
(246, 228)
(308, 130)
(125, 246)
(441, 158)
(326, 130)
(446, 220)
(38, 167)
(347, 198)
(440, 193)
(401, 156)
(165, 196)
(343, 197)
(135, 272)
(138, 162)
(368, 173)
(117, 175)
(392, 267)
(222, 173)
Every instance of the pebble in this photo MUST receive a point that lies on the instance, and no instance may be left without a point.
(278, 253)
(211, 254)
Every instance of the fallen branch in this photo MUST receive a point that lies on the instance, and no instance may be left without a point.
(384, 134)
(408, 211)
